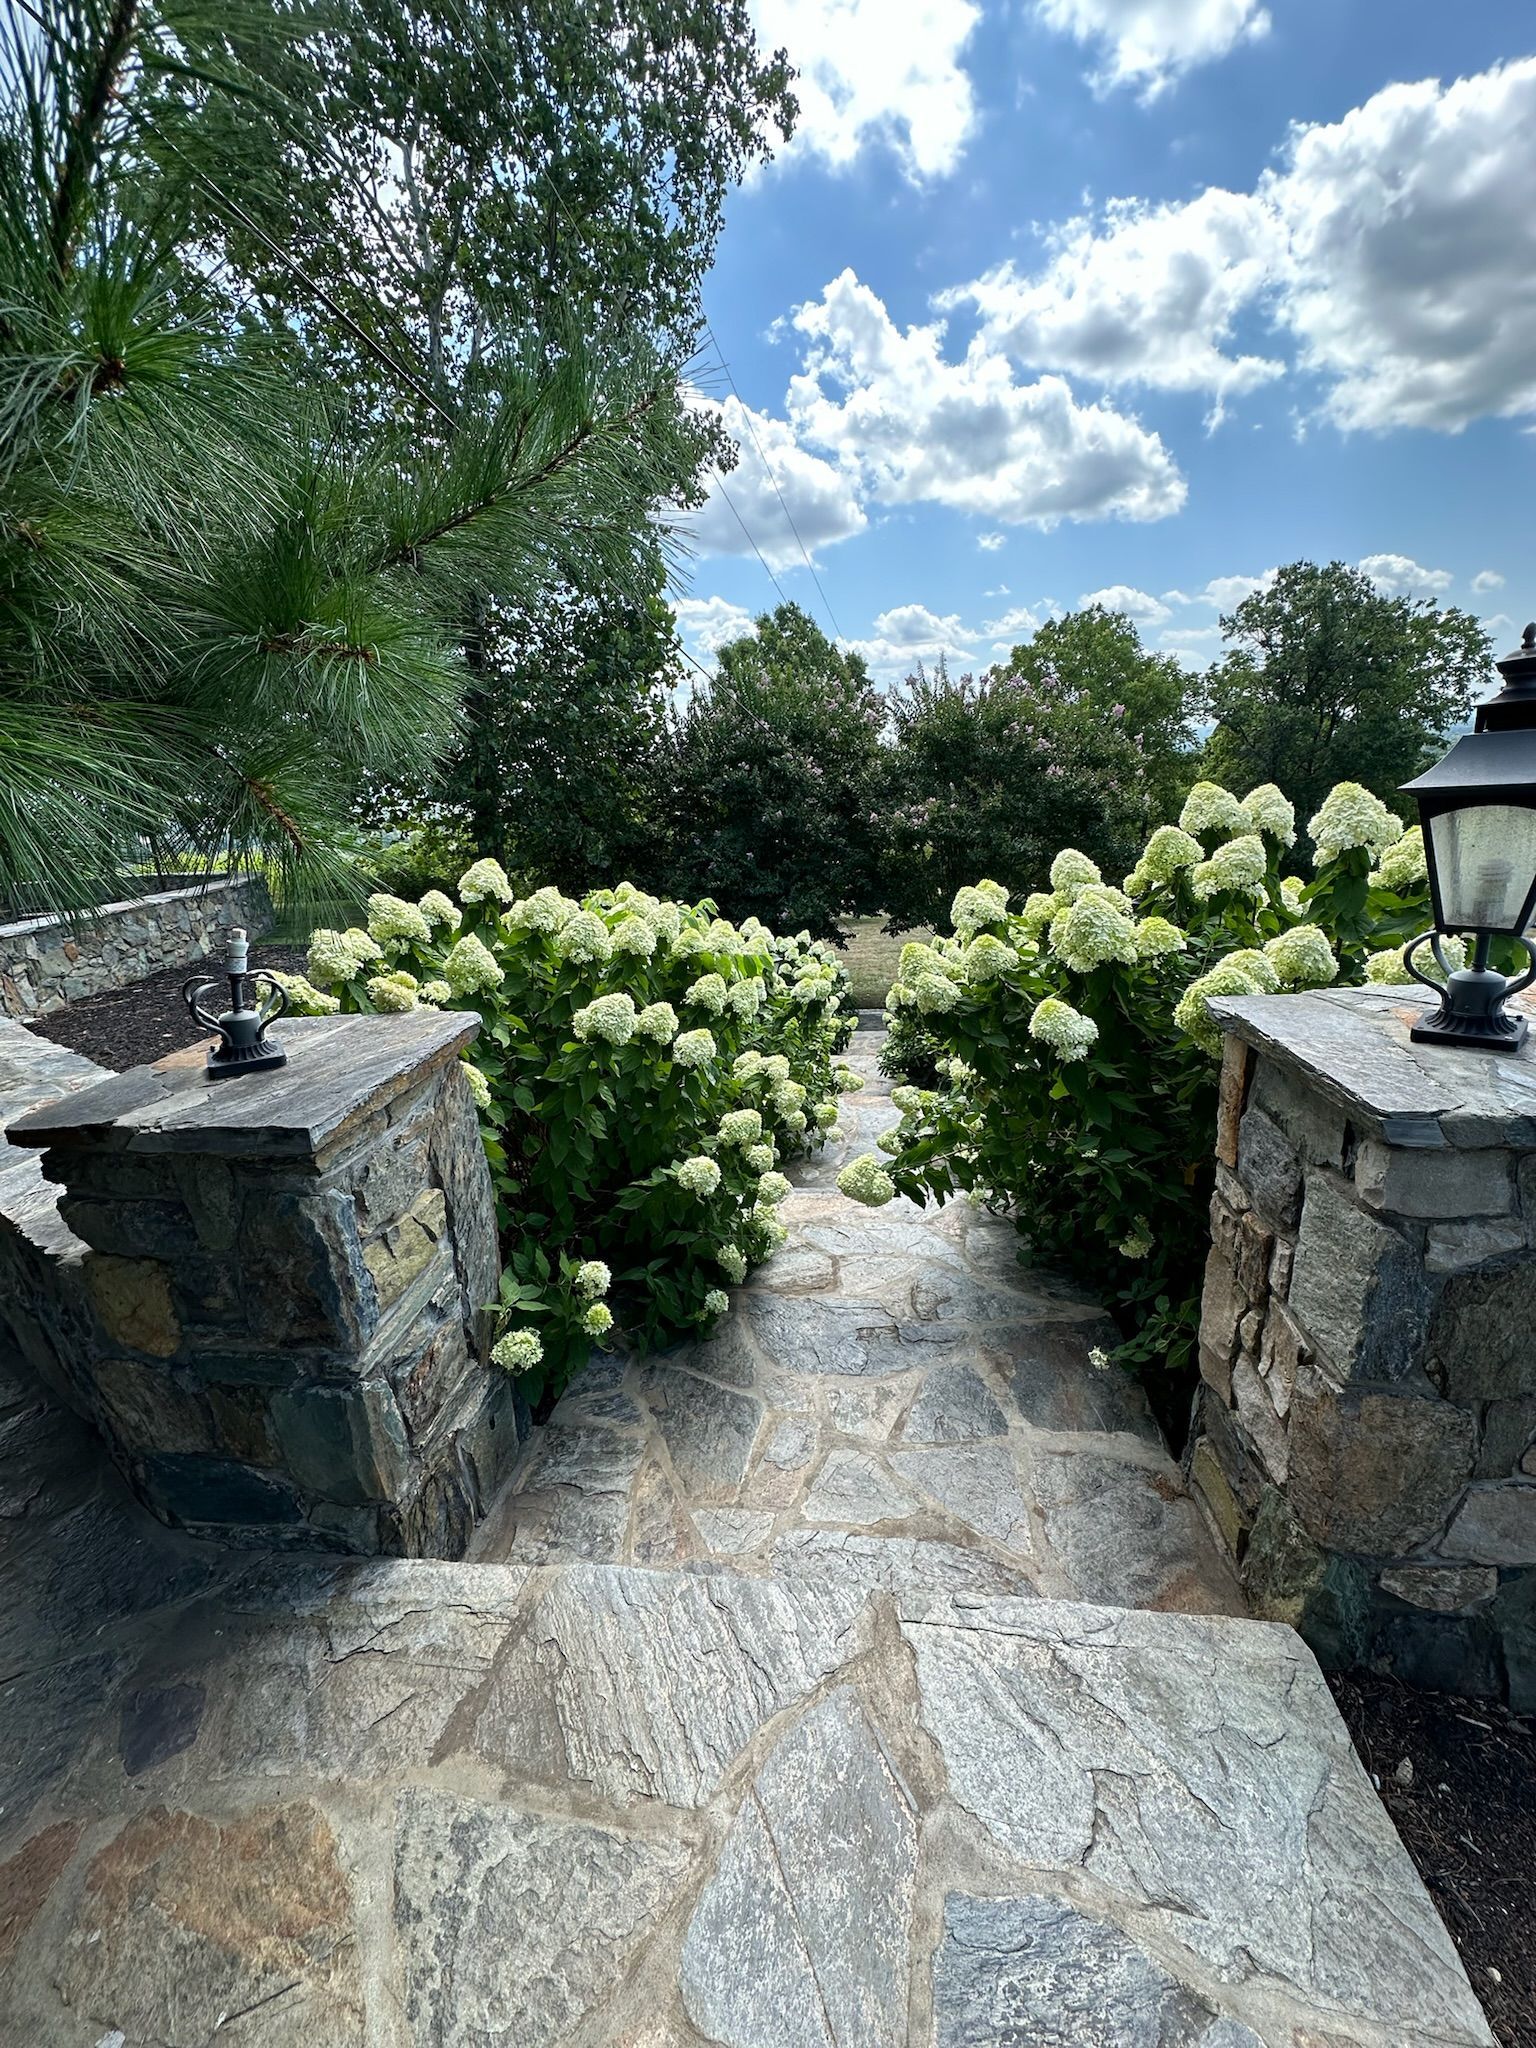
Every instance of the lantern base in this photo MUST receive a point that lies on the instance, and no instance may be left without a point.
(225, 1060)
(1476, 1034)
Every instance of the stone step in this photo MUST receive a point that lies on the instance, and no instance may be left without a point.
(595, 1806)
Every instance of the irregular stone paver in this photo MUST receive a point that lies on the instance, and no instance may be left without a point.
(897, 1369)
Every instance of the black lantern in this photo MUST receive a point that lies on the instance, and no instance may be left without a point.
(1478, 808)
(243, 1047)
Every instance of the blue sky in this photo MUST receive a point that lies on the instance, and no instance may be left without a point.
(1057, 297)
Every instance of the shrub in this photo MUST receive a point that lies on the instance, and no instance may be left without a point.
(641, 1069)
(1076, 1050)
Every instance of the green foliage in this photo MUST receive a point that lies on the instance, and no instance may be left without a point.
(1327, 680)
(994, 775)
(1076, 1083)
(643, 1068)
(773, 778)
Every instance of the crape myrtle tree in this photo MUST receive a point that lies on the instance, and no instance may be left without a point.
(774, 781)
(1080, 739)
(1326, 680)
(545, 164)
(233, 586)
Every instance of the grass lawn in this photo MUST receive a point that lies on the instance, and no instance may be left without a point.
(871, 956)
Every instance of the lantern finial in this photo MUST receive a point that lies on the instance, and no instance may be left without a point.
(243, 1047)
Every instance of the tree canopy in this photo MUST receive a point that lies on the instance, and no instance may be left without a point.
(1326, 680)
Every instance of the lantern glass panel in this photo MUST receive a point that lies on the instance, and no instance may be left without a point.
(1485, 861)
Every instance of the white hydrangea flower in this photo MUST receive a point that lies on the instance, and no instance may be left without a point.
(916, 959)
(1138, 1243)
(1192, 1014)
(787, 1097)
(437, 993)
(747, 1065)
(907, 1099)
(1403, 866)
(479, 1087)
(437, 908)
(1065, 1030)
(773, 1187)
(986, 903)
(1302, 957)
(657, 1021)
(866, 1180)
(1386, 969)
(597, 1321)
(1273, 812)
(986, 957)
(847, 1082)
(717, 1303)
(393, 921)
(546, 910)
(665, 919)
(610, 1017)
(1240, 865)
(1291, 887)
(758, 1158)
(1210, 808)
(1257, 966)
(741, 1127)
(518, 1351)
(891, 1141)
(1038, 911)
(694, 1049)
(825, 1115)
(592, 1279)
(393, 992)
(485, 881)
(1092, 930)
(1071, 873)
(305, 1000)
(330, 958)
(699, 1175)
(633, 935)
(471, 967)
(1351, 816)
(935, 994)
(732, 1261)
(1169, 850)
(708, 994)
(776, 1068)
(1156, 938)
(583, 939)
(745, 998)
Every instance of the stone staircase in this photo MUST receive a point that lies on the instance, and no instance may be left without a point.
(863, 1679)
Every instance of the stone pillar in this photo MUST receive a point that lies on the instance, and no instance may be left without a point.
(1366, 1430)
(283, 1279)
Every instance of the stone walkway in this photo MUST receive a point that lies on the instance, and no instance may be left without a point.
(894, 1402)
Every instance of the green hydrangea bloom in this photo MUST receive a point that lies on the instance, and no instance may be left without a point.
(1259, 968)
(865, 1180)
(986, 903)
(437, 908)
(1386, 969)
(393, 992)
(1403, 866)
(1351, 816)
(657, 1021)
(393, 921)
(732, 1261)
(1039, 909)
(1093, 929)
(745, 998)
(1071, 873)
(633, 935)
(1066, 1031)
(1210, 808)
(1273, 812)
(825, 1115)
(741, 1127)
(776, 1068)
(479, 1087)
(773, 1187)
(986, 957)
(1192, 1014)
(787, 1097)
(583, 939)
(1303, 958)
(610, 1017)
(1156, 938)
(700, 1176)
(546, 910)
(708, 994)
(1239, 866)
(717, 1303)
(1168, 851)
(485, 881)
(758, 1158)
(598, 1319)
(437, 993)
(518, 1351)
(471, 967)
(593, 1278)
(935, 993)
(305, 1000)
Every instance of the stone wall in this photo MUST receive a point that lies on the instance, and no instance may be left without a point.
(46, 962)
(1366, 1439)
(267, 1292)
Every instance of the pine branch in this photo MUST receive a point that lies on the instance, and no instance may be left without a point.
(84, 142)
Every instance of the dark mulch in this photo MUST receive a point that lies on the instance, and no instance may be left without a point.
(130, 1027)
(1459, 1780)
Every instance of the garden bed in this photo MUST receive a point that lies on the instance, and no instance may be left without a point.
(143, 1021)
(1459, 1780)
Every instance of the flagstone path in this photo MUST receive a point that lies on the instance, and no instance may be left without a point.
(895, 1402)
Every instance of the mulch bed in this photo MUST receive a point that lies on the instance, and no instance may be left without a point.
(1459, 1780)
(134, 1026)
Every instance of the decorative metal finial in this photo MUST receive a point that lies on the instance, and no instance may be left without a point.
(244, 1047)
(1528, 637)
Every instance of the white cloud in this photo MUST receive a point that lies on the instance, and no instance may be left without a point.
(1138, 605)
(1486, 580)
(918, 428)
(1401, 576)
(1226, 593)
(910, 633)
(989, 543)
(707, 624)
(1196, 646)
(822, 499)
(1148, 295)
(877, 68)
(1147, 43)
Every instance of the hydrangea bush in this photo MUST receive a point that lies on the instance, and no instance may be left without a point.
(642, 1069)
(1071, 1046)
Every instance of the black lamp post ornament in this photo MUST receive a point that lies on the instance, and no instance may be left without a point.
(243, 1047)
(1478, 808)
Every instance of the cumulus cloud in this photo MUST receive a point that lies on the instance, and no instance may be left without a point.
(821, 498)
(1196, 646)
(1486, 580)
(909, 633)
(989, 543)
(707, 624)
(1147, 43)
(1395, 249)
(1138, 605)
(877, 68)
(1401, 576)
(1145, 295)
(887, 404)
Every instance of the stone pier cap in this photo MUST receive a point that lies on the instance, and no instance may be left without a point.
(338, 1076)
(1352, 1045)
